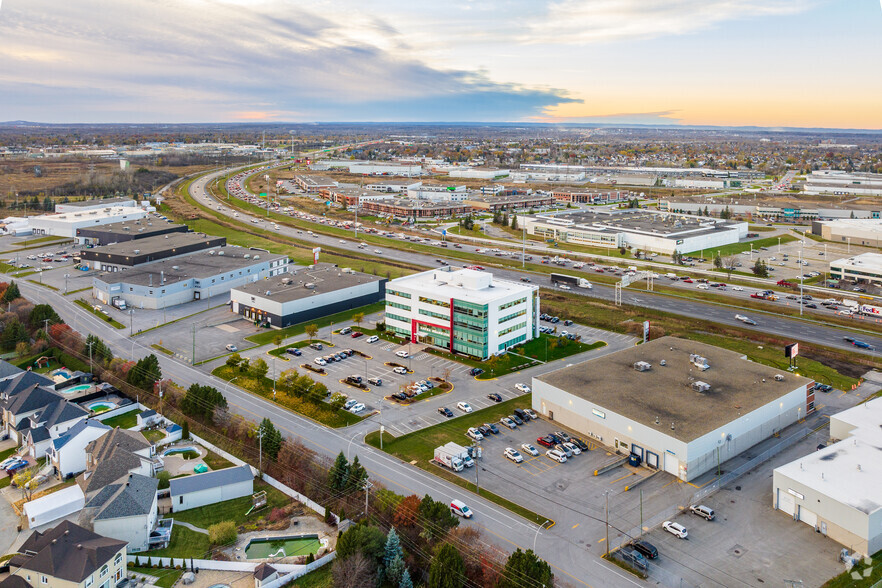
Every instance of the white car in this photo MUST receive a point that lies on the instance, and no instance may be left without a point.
(357, 408)
(464, 406)
(523, 388)
(556, 455)
(402, 354)
(319, 361)
(474, 434)
(513, 455)
(342, 242)
(564, 287)
(350, 403)
(737, 288)
(532, 414)
(372, 339)
(230, 347)
(399, 370)
(573, 448)
(378, 252)
(702, 286)
(675, 529)
(530, 449)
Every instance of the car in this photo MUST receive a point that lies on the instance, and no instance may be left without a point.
(703, 511)
(400, 396)
(811, 305)
(532, 414)
(357, 408)
(522, 414)
(562, 436)
(579, 443)
(675, 529)
(568, 322)
(513, 455)
(556, 455)
(485, 430)
(320, 361)
(372, 339)
(375, 381)
(399, 370)
(863, 345)
(445, 411)
(573, 448)
(459, 508)
(356, 334)
(474, 433)
(294, 351)
(495, 397)
(16, 466)
(350, 403)
(402, 354)
(546, 441)
(564, 449)
(530, 449)
(646, 548)
(848, 339)
(634, 557)
(702, 286)
(231, 347)
(339, 356)
(493, 428)
(476, 372)
(9, 461)
(522, 388)
(508, 423)
(316, 346)
(525, 279)
(464, 406)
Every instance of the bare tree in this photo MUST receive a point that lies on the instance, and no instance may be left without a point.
(729, 264)
(354, 571)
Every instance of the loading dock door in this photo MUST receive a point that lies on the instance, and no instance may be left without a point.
(636, 449)
(808, 517)
(786, 502)
(652, 460)
(672, 465)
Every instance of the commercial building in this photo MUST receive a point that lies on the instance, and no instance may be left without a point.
(841, 183)
(370, 168)
(194, 276)
(438, 193)
(119, 256)
(313, 184)
(681, 406)
(478, 173)
(352, 195)
(127, 231)
(393, 185)
(835, 489)
(67, 224)
(639, 229)
(405, 209)
(462, 310)
(592, 196)
(854, 231)
(304, 294)
(512, 202)
(541, 176)
(865, 268)
(95, 204)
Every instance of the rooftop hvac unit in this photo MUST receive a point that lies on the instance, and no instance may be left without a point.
(287, 281)
(176, 267)
(247, 256)
(642, 366)
(211, 252)
(698, 361)
(127, 228)
(256, 257)
(220, 252)
(700, 386)
(779, 378)
(309, 285)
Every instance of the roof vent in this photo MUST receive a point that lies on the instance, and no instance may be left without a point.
(137, 251)
(663, 363)
(642, 366)
(220, 252)
(176, 267)
(698, 361)
(779, 377)
(700, 386)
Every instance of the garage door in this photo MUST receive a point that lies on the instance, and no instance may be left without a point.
(637, 450)
(786, 502)
(652, 459)
(672, 464)
(808, 517)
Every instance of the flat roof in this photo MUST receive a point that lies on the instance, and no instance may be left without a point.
(292, 286)
(99, 201)
(736, 385)
(88, 215)
(661, 224)
(421, 204)
(317, 180)
(197, 265)
(461, 283)
(850, 470)
(151, 245)
(868, 261)
(143, 227)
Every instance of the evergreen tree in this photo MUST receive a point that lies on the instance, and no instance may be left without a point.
(514, 221)
(405, 582)
(357, 475)
(272, 438)
(339, 473)
(436, 518)
(42, 312)
(394, 571)
(98, 349)
(13, 334)
(185, 430)
(392, 550)
(11, 293)
(525, 569)
(447, 569)
(145, 373)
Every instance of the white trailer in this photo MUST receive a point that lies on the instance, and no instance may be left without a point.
(448, 459)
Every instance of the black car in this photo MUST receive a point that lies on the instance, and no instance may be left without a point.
(294, 351)
(495, 397)
(484, 430)
(517, 420)
(520, 413)
(579, 443)
(399, 396)
(646, 548)
(555, 320)
(476, 372)
(848, 339)
(493, 428)
(811, 305)
(568, 322)
(445, 411)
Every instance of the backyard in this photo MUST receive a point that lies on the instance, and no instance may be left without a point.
(234, 510)
(185, 543)
(123, 421)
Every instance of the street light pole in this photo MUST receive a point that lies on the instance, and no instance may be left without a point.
(607, 522)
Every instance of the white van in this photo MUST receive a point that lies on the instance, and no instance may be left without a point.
(458, 507)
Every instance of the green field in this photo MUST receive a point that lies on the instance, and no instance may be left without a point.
(320, 578)
(736, 248)
(846, 580)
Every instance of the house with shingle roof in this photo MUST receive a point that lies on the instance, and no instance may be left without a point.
(68, 452)
(114, 454)
(124, 510)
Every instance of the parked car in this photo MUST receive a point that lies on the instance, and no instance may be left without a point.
(316, 346)
(399, 370)
(532, 413)
(402, 354)
(464, 406)
(546, 441)
(572, 447)
(634, 557)
(493, 428)
(702, 511)
(357, 408)
(556, 455)
(495, 397)
(445, 411)
(345, 330)
(485, 430)
(294, 351)
(357, 334)
(579, 443)
(476, 372)
(320, 361)
(564, 449)
(372, 339)
(517, 420)
(508, 422)
(513, 455)
(401, 396)
(375, 381)
(675, 529)
(562, 436)
(530, 449)
(522, 388)
(646, 548)
(474, 433)
(522, 414)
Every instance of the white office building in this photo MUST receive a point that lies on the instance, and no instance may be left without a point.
(66, 224)
(865, 268)
(462, 310)
(438, 193)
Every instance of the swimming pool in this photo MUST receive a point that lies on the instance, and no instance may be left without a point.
(180, 450)
(282, 546)
(100, 406)
(61, 372)
(75, 389)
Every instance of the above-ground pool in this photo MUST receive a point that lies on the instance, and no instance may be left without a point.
(75, 389)
(181, 450)
(100, 406)
(282, 546)
(61, 372)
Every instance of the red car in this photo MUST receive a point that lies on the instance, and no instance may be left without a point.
(546, 441)
(688, 281)
(357, 334)
(598, 270)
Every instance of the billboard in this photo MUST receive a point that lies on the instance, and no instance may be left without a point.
(791, 350)
(315, 254)
(645, 331)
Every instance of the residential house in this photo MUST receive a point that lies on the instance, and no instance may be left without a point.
(201, 489)
(37, 406)
(68, 452)
(124, 510)
(116, 453)
(54, 420)
(69, 556)
(148, 418)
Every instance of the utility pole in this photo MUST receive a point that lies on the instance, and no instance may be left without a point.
(260, 449)
(193, 360)
(607, 522)
(90, 354)
(367, 487)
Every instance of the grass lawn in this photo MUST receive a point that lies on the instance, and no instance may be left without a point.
(7, 452)
(844, 580)
(341, 317)
(759, 228)
(98, 313)
(184, 543)
(4, 482)
(319, 411)
(162, 349)
(216, 462)
(320, 578)
(123, 421)
(736, 248)
(40, 283)
(234, 510)
(419, 447)
(154, 436)
(165, 578)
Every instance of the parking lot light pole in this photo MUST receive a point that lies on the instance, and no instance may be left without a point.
(607, 522)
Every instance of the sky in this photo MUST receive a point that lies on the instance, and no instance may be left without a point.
(771, 63)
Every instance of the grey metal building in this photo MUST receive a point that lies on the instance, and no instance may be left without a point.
(118, 256)
(127, 231)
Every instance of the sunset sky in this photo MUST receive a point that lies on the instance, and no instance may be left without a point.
(801, 63)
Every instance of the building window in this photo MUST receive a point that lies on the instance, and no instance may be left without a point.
(89, 581)
(104, 569)
(118, 559)
(397, 305)
(45, 580)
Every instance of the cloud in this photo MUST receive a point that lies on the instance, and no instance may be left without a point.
(662, 117)
(202, 60)
(593, 21)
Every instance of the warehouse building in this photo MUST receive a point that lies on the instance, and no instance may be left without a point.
(841, 183)
(639, 229)
(681, 406)
(836, 490)
(854, 231)
(119, 256)
(195, 276)
(865, 268)
(67, 224)
(95, 204)
(305, 294)
(127, 231)
(462, 310)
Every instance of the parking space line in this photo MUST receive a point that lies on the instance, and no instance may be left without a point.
(622, 478)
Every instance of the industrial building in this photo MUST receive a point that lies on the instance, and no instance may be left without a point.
(854, 231)
(639, 229)
(835, 489)
(127, 231)
(351, 195)
(194, 276)
(865, 268)
(96, 204)
(304, 294)
(370, 168)
(681, 406)
(313, 184)
(438, 193)
(841, 183)
(478, 173)
(119, 256)
(462, 310)
(512, 202)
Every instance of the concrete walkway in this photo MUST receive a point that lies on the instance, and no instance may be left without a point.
(191, 527)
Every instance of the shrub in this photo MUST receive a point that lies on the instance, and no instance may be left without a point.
(277, 515)
(222, 533)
